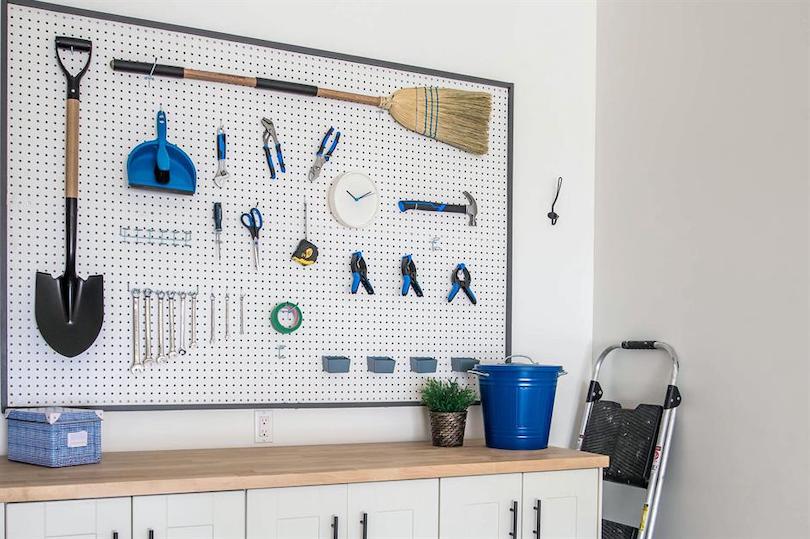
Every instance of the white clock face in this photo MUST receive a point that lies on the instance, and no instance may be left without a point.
(354, 199)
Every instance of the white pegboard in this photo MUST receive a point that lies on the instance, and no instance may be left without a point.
(118, 111)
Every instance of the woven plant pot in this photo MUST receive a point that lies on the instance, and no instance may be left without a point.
(447, 428)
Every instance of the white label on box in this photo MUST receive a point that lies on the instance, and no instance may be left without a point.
(77, 439)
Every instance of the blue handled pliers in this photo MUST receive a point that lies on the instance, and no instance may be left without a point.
(461, 281)
(360, 273)
(270, 133)
(320, 157)
(409, 276)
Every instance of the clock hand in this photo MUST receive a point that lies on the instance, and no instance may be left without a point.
(363, 196)
(351, 195)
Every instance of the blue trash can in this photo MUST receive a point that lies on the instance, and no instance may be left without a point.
(517, 401)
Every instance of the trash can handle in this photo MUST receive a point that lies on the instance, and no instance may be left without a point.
(508, 359)
(478, 373)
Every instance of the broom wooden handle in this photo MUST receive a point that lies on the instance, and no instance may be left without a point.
(161, 70)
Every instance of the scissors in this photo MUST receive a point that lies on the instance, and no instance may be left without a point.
(253, 221)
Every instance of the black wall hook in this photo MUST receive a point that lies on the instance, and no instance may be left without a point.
(552, 214)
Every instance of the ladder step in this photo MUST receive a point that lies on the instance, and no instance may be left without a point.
(614, 530)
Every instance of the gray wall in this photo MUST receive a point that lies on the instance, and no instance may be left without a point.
(701, 239)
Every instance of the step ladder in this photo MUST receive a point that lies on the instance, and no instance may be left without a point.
(637, 441)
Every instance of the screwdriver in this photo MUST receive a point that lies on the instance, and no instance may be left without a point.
(218, 227)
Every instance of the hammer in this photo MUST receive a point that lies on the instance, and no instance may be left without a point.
(471, 208)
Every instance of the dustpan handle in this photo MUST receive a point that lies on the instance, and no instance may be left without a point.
(162, 153)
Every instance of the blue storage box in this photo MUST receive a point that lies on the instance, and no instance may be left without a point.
(463, 364)
(381, 365)
(423, 364)
(54, 437)
(336, 364)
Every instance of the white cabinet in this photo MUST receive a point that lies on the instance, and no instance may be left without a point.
(2, 521)
(565, 504)
(481, 507)
(394, 509)
(206, 515)
(297, 512)
(108, 518)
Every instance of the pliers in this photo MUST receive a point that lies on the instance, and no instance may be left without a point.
(360, 273)
(461, 280)
(270, 132)
(320, 156)
(409, 276)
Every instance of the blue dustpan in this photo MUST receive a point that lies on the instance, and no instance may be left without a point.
(159, 164)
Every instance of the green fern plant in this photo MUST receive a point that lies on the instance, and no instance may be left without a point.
(446, 396)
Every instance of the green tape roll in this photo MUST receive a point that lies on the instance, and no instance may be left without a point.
(276, 320)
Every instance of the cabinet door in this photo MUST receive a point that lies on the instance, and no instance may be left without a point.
(206, 515)
(2, 521)
(297, 513)
(76, 519)
(481, 507)
(565, 504)
(394, 509)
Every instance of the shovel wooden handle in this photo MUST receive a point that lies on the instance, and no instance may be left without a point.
(72, 149)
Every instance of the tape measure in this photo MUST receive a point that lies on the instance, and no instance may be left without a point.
(286, 317)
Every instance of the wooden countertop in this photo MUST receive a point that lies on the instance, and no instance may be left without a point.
(200, 470)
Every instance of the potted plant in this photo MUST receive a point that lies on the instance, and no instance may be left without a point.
(447, 402)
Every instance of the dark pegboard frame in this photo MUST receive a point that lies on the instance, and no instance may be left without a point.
(252, 41)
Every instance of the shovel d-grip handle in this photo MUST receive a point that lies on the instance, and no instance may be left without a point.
(72, 110)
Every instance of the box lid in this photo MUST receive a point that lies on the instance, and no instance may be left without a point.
(55, 414)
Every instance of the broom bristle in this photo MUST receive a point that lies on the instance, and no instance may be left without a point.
(456, 117)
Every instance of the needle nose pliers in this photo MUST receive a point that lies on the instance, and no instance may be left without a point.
(409, 276)
(360, 273)
(461, 281)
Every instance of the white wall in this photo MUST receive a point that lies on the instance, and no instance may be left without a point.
(702, 240)
(548, 50)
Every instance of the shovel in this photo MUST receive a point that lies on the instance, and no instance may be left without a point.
(70, 310)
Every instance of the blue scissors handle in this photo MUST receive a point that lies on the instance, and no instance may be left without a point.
(253, 221)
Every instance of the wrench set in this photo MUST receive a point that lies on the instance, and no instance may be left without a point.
(173, 338)
(176, 334)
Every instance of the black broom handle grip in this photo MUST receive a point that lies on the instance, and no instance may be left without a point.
(177, 72)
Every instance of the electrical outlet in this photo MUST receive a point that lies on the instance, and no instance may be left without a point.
(263, 421)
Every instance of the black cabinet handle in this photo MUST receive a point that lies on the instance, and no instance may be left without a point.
(115, 535)
(364, 522)
(151, 534)
(514, 510)
(537, 519)
(334, 527)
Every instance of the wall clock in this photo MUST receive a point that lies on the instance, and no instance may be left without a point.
(353, 199)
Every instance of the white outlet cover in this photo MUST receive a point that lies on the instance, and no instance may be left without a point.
(263, 426)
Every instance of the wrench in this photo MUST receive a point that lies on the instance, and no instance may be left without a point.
(161, 354)
(182, 350)
(241, 314)
(212, 319)
(172, 348)
(137, 364)
(148, 360)
(227, 316)
(192, 344)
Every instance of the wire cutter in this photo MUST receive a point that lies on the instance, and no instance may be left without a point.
(461, 281)
(409, 276)
(270, 132)
(320, 156)
(360, 273)
(253, 221)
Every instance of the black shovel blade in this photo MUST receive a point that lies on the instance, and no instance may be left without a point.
(69, 311)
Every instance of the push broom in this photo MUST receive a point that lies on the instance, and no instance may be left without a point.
(459, 118)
